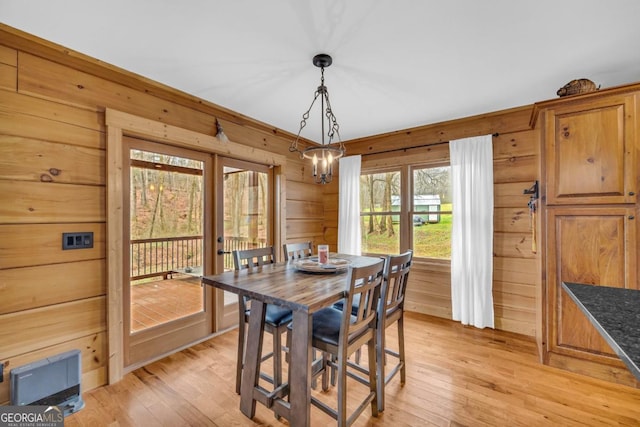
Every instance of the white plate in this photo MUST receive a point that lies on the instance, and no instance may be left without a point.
(313, 266)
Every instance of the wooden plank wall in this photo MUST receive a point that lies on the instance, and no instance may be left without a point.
(517, 274)
(516, 267)
(52, 180)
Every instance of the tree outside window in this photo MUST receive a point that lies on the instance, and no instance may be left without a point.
(380, 226)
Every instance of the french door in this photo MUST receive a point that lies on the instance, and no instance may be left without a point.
(168, 249)
(245, 218)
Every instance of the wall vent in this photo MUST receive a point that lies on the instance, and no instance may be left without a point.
(53, 381)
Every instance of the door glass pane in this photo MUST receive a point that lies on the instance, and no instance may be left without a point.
(166, 238)
(245, 214)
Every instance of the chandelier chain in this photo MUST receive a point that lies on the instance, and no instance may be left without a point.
(305, 116)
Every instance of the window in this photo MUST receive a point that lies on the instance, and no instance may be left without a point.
(431, 212)
(380, 203)
(407, 207)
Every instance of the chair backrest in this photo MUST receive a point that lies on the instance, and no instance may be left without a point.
(250, 258)
(364, 282)
(297, 250)
(396, 277)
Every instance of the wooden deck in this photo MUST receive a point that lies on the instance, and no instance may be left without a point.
(160, 301)
(456, 376)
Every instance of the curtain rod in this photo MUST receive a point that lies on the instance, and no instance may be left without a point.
(495, 135)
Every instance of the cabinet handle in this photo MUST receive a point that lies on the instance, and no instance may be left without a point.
(631, 193)
(632, 217)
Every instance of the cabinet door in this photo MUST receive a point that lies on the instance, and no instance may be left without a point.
(590, 151)
(595, 246)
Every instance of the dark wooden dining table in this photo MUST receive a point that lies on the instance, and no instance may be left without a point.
(302, 292)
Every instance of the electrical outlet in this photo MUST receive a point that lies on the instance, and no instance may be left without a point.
(77, 240)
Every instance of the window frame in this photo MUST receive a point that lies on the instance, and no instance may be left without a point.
(407, 208)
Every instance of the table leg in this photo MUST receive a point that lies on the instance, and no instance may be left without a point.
(253, 354)
(300, 370)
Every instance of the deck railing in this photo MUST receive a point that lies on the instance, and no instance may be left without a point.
(162, 256)
(239, 244)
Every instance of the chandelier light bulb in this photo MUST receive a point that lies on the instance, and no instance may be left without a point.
(315, 164)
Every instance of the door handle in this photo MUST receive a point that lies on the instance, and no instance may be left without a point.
(222, 252)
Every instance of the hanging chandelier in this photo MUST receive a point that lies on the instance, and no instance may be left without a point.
(323, 155)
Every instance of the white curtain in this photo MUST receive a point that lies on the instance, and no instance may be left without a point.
(472, 233)
(349, 239)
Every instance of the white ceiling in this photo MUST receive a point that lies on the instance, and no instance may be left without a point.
(396, 63)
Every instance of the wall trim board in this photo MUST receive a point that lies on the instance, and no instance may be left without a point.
(140, 127)
(504, 121)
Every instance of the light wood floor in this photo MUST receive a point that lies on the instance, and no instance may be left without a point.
(457, 376)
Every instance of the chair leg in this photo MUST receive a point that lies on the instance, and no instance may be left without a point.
(288, 341)
(326, 366)
(342, 391)
(314, 381)
(403, 373)
(380, 364)
(333, 371)
(372, 375)
(240, 359)
(277, 358)
(333, 376)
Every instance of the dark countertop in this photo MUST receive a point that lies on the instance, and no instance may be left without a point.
(615, 312)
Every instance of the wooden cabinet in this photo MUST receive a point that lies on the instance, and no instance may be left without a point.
(594, 246)
(590, 151)
(590, 183)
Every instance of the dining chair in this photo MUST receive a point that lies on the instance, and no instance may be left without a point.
(390, 311)
(394, 288)
(339, 333)
(276, 318)
(297, 250)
